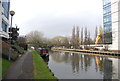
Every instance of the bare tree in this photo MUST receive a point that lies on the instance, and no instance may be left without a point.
(89, 37)
(86, 38)
(96, 32)
(60, 41)
(66, 42)
(21, 39)
(77, 38)
(35, 38)
(57, 40)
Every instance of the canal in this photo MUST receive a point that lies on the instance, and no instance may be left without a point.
(66, 65)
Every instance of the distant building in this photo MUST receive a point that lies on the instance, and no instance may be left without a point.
(4, 18)
(111, 23)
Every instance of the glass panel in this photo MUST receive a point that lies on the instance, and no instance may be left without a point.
(106, 2)
(4, 27)
(107, 33)
(107, 19)
(6, 5)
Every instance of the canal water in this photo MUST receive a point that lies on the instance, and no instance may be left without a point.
(66, 65)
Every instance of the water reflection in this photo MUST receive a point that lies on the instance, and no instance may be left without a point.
(83, 66)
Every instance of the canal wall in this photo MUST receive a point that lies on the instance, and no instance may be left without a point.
(89, 51)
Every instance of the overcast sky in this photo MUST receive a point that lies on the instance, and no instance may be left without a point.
(56, 17)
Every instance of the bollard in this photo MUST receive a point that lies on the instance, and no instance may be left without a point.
(9, 54)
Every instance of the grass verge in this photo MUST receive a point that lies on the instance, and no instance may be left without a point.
(40, 68)
(0, 68)
(5, 65)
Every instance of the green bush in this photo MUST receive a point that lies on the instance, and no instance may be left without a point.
(18, 49)
(23, 45)
(15, 50)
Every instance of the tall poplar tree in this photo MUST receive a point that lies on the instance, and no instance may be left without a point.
(96, 32)
(82, 36)
(77, 38)
(73, 37)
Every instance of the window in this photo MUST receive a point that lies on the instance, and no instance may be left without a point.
(107, 28)
(106, 2)
(6, 6)
(108, 38)
(107, 19)
(108, 33)
(107, 10)
(4, 27)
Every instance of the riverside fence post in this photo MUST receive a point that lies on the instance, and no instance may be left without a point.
(9, 54)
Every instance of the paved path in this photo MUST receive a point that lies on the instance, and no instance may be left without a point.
(22, 68)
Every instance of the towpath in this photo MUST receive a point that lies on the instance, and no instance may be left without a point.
(22, 68)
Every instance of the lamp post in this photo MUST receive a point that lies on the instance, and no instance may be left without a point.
(11, 13)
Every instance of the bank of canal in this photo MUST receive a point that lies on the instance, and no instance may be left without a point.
(113, 53)
(41, 70)
(67, 65)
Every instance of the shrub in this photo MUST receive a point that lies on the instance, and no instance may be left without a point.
(5, 51)
(18, 49)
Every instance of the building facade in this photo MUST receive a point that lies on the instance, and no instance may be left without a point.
(4, 18)
(111, 23)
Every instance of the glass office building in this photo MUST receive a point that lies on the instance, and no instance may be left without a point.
(4, 18)
(111, 24)
(6, 6)
(107, 22)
